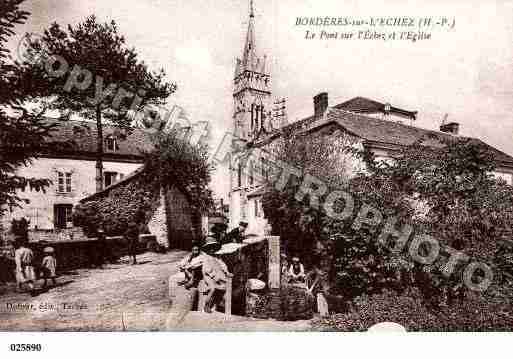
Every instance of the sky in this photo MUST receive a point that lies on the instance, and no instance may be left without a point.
(466, 72)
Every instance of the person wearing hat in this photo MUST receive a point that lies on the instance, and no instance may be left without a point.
(218, 231)
(132, 237)
(49, 265)
(101, 247)
(284, 267)
(236, 235)
(296, 272)
(24, 257)
(191, 267)
(215, 275)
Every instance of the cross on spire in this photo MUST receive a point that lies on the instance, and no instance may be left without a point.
(251, 9)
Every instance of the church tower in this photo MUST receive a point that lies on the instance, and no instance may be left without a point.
(252, 90)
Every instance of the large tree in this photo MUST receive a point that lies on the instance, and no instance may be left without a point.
(89, 70)
(178, 161)
(298, 222)
(23, 133)
(447, 191)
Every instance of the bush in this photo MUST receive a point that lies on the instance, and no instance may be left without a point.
(134, 202)
(474, 313)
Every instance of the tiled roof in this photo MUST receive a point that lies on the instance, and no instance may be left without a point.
(365, 105)
(84, 136)
(394, 133)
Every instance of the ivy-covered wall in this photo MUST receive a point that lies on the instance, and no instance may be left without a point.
(166, 213)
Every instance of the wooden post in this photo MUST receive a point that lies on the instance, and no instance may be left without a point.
(228, 295)
(274, 262)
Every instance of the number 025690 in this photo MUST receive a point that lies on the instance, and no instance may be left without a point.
(25, 347)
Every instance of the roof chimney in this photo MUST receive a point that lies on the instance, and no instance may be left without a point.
(320, 103)
(451, 127)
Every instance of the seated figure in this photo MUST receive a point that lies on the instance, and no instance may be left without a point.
(296, 273)
(215, 276)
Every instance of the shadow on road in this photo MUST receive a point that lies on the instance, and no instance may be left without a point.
(47, 289)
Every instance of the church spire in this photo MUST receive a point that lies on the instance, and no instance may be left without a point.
(249, 55)
(252, 88)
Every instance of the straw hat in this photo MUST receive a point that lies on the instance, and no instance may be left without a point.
(48, 250)
(210, 242)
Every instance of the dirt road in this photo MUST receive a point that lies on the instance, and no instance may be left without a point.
(118, 297)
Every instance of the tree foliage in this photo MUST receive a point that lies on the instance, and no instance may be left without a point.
(445, 189)
(102, 78)
(297, 222)
(448, 191)
(175, 161)
(134, 202)
(23, 133)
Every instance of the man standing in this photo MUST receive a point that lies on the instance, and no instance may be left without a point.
(102, 247)
(236, 235)
(132, 237)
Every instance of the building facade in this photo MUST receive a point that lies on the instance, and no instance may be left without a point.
(73, 172)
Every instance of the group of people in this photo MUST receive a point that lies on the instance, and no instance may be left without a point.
(104, 250)
(205, 273)
(315, 281)
(26, 266)
(236, 235)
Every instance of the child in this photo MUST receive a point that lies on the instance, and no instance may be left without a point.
(23, 256)
(49, 265)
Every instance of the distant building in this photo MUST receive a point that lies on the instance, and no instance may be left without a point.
(73, 172)
(379, 127)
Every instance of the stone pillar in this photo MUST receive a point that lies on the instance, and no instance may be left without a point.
(228, 295)
(274, 271)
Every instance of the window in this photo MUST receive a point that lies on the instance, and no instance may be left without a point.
(251, 177)
(111, 143)
(62, 215)
(239, 176)
(110, 178)
(64, 182)
(256, 208)
(264, 168)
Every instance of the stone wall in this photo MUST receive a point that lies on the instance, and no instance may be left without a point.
(181, 228)
(245, 261)
(158, 223)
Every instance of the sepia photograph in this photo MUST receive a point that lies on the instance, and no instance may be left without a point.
(255, 166)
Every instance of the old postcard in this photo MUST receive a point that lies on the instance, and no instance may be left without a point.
(256, 165)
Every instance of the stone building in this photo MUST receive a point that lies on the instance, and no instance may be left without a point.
(170, 217)
(73, 172)
(365, 123)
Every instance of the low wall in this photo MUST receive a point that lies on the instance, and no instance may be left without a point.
(246, 260)
(259, 257)
(72, 254)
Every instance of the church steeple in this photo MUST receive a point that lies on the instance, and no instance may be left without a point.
(249, 52)
(252, 88)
